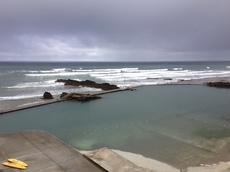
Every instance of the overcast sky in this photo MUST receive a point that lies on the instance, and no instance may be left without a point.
(114, 30)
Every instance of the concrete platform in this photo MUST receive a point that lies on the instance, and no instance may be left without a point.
(113, 162)
(42, 152)
(29, 103)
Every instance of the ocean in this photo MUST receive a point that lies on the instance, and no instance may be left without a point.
(182, 125)
(20, 80)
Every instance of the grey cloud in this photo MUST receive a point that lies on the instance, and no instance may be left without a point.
(121, 30)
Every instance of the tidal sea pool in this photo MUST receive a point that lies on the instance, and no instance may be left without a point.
(179, 125)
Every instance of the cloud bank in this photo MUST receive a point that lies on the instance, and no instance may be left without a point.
(122, 30)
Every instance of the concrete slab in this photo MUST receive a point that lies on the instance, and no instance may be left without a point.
(42, 152)
(113, 162)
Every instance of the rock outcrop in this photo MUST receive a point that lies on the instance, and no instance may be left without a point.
(85, 97)
(88, 83)
(63, 95)
(79, 96)
(219, 84)
(47, 95)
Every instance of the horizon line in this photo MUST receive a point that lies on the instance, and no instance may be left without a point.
(28, 61)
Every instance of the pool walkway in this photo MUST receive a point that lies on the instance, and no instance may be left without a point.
(35, 102)
(42, 152)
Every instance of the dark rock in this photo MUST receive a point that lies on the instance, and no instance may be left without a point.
(85, 97)
(63, 94)
(169, 79)
(219, 84)
(79, 96)
(47, 95)
(88, 83)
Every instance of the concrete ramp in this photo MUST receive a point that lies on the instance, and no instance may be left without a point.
(42, 152)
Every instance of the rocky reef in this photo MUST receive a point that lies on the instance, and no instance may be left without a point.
(79, 96)
(88, 83)
(218, 84)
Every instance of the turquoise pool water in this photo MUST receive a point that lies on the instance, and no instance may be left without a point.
(180, 125)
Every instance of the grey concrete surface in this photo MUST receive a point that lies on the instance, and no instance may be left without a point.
(42, 152)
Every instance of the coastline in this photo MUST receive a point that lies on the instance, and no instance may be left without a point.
(9, 105)
(139, 160)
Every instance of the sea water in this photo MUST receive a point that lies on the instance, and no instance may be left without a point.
(19, 80)
(180, 125)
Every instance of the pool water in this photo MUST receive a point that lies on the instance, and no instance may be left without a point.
(179, 125)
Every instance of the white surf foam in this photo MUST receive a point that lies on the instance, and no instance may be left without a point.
(18, 97)
(53, 74)
(59, 69)
(177, 68)
(50, 83)
(39, 93)
(123, 77)
(140, 76)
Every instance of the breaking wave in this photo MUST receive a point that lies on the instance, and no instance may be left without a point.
(123, 76)
(33, 82)
(50, 83)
